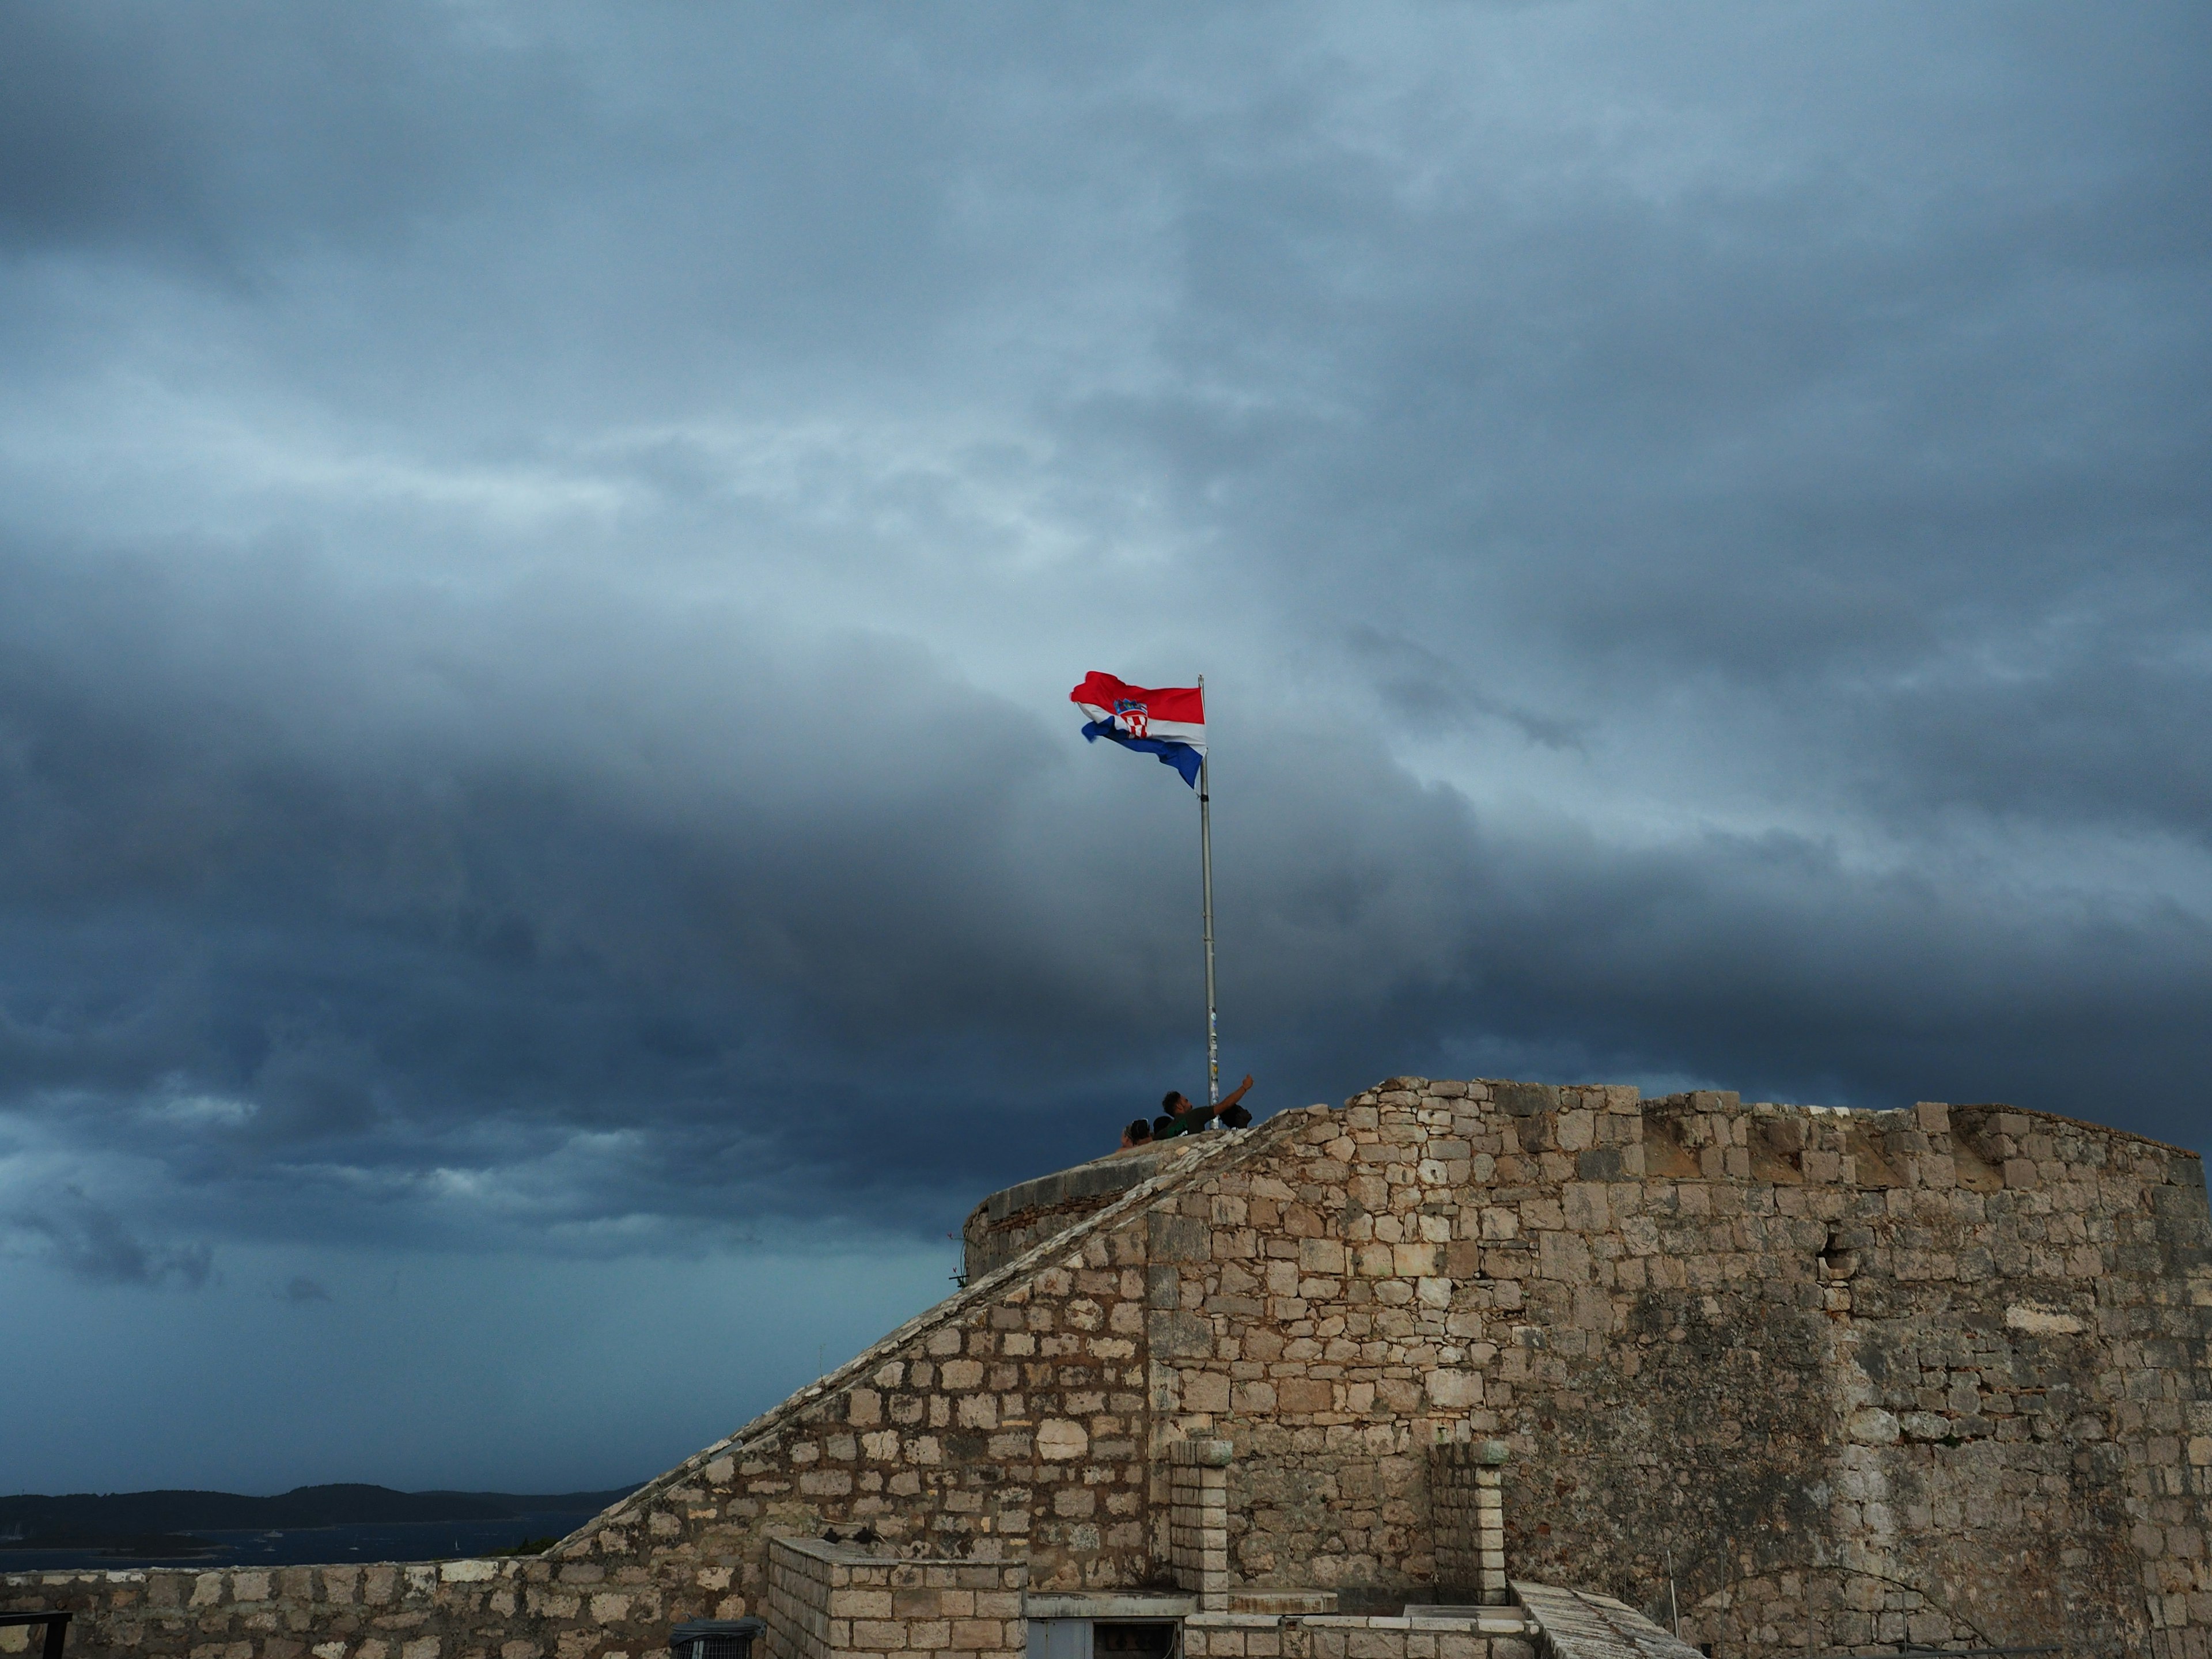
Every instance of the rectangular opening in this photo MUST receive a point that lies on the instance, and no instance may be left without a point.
(1132, 1638)
(1105, 1638)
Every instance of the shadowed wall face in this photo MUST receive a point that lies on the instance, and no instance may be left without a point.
(1859, 1376)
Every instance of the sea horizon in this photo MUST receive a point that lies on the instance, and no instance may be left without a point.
(353, 1543)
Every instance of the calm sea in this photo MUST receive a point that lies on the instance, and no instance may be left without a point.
(406, 1540)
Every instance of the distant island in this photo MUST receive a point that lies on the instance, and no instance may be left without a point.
(167, 1524)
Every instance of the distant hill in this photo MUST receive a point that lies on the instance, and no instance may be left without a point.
(86, 1520)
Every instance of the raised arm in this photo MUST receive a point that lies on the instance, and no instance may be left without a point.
(1236, 1094)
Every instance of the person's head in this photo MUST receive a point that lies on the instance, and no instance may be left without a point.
(1163, 1123)
(1172, 1103)
(1139, 1131)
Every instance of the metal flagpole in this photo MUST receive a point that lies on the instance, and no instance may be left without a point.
(1205, 869)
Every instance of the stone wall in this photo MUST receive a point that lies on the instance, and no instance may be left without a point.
(1839, 1375)
(1255, 1636)
(1856, 1377)
(515, 1609)
(851, 1601)
(1842, 1378)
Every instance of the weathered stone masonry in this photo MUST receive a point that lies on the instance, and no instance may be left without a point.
(1858, 1376)
(1010, 1421)
(835, 1600)
(1466, 1519)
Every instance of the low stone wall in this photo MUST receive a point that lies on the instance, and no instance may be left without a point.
(513, 1609)
(1257, 1636)
(1011, 1222)
(833, 1600)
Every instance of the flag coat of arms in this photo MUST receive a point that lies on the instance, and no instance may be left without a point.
(1167, 723)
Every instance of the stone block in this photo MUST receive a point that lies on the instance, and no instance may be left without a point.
(1320, 1255)
(1178, 1335)
(1454, 1390)
(1414, 1259)
(1525, 1099)
(1608, 1163)
(1059, 1440)
(1583, 1207)
(1178, 1238)
(1205, 1391)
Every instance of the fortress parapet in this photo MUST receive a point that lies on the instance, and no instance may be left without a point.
(1013, 1222)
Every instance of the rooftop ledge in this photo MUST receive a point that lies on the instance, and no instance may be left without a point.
(1102, 1177)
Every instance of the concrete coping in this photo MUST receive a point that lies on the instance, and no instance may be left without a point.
(844, 1555)
(875, 1555)
(1206, 1454)
(1497, 1621)
(1487, 1620)
(1074, 1604)
(91, 1576)
(1252, 1598)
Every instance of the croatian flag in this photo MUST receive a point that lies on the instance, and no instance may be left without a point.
(1169, 722)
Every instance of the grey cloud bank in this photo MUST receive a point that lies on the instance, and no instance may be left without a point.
(542, 551)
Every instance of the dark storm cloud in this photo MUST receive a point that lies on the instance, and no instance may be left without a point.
(89, 1241)
(541, 552)
(1425, 689)
(207, 137)
(507, 902)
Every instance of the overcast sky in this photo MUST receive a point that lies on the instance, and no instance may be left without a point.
(546, 861)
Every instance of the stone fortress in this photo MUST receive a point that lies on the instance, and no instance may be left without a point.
(1460, 1371)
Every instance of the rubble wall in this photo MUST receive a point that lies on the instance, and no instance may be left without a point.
(1936, 1374)
(417, 1610)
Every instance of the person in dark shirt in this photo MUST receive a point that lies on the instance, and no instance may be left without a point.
(1180, 1117)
